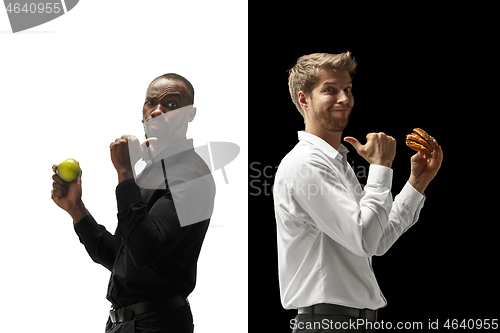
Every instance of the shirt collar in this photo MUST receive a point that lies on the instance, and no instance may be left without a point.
(171, 154)
(153, 174)
(324, 146)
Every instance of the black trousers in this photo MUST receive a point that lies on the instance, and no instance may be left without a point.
(178, 320)
(329, 323)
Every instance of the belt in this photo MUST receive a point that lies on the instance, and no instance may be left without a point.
(323, 308)
(128, 312)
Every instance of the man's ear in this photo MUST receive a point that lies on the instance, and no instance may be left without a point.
(192, 113)
(303, 101)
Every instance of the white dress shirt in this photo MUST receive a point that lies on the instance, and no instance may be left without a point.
(329, 227)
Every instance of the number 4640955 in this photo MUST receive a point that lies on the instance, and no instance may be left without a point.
(471, 324)
(33, 8)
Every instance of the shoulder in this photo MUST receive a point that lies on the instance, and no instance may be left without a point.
(303, 157)
(189, 167)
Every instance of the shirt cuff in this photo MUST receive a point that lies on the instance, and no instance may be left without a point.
(87, 228)
(412, 199)
(379, 174)
(127, 193)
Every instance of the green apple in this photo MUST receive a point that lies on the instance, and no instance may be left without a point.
(68, 170)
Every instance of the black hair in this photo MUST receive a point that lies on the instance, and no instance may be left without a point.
(177, 77)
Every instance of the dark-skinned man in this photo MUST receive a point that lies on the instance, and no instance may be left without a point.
(163, 216)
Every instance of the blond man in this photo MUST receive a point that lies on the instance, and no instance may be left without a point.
(328, 226)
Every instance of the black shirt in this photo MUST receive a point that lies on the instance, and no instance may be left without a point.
(151, 255)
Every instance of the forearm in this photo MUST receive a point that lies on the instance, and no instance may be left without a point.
(98, 242)
(78, 212)
(417, 184)
(124, 175)
(404, 213)
(375, 207)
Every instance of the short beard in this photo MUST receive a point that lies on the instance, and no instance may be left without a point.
(330, 123)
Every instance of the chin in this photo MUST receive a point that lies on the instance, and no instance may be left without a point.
(336, 126)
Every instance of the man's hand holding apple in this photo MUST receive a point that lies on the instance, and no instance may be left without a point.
(68, 196)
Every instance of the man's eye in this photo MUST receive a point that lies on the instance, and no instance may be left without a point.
(172, 105)
(348, 89)
(149, 102)
(329, 89)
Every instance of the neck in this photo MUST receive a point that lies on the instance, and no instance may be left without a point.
(332, 138)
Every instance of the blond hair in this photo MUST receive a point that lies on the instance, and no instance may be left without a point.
(304, 75)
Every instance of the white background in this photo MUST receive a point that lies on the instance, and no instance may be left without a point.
(68, 88)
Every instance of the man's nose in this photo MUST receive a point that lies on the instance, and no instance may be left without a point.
(157, 112)
(342, 98)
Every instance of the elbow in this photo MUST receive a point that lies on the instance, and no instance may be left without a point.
(147, 256)
(382, 249)
(371, 249)
(362, 250)
(142, 260)
(371, 238)
(142, 263)
(142, 256)
(368, 249)
(143, 248)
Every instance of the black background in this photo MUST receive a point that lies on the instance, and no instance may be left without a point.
(423, 69)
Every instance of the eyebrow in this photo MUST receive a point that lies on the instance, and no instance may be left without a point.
(334, 83)
(163, 95)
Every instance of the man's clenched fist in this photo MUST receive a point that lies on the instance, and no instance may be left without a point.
(125, 152)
